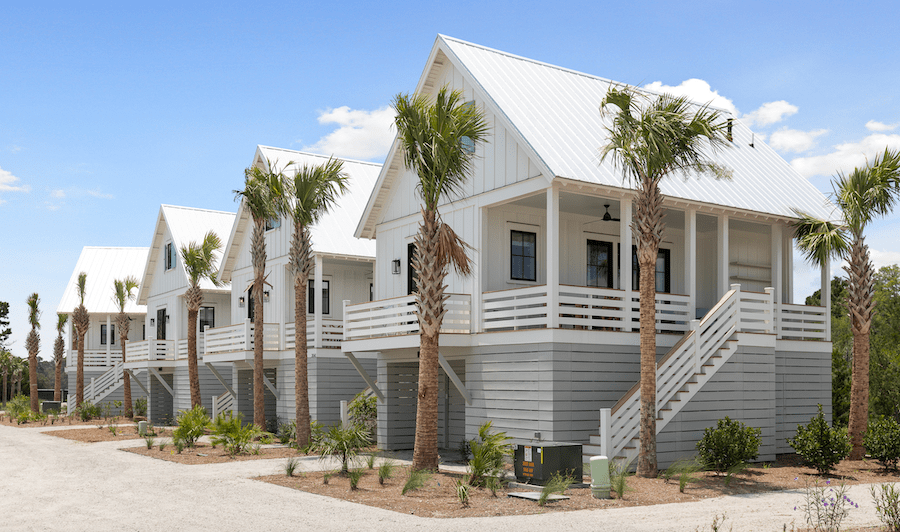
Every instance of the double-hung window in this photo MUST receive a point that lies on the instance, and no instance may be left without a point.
(523, 255)
(170, 256)
(112, 334)
(663, 270)
(326, 297)
(206, 317)
(599, 264)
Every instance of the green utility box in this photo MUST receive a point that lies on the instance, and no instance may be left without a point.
(535, 464)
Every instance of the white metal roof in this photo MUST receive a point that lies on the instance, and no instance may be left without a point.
(186, 224)
(103, 266)
(333, 235)
(555, 112)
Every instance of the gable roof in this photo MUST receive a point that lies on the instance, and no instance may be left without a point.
(554, 112)
(185, 224)
(333, 235)
(104, 265)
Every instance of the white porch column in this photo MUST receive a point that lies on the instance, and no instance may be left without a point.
(777, 262)
(70, 361)
(826, 296)
(723, 276)
(476, 324)
(553, 244)
(317, 317)
(625, 215)
(108, 343)
(690, 260)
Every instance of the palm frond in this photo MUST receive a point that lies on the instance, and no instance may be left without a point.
(61, 320)
(199, 259)
(870, 192)
(34, 314)
(264, 191)
(81, 286)
(314, 189)
(452, 250)
(437, 138)
(123, 291)
(819, 239)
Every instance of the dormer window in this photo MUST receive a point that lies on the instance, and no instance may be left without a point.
(467, 143)
(170, 256)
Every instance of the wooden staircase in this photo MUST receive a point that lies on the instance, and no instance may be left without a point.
(683, 371)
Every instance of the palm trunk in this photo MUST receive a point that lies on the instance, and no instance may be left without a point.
(5, 388)
(32, 370)
(430, 303)
(301, 370)
(193, 372)
(258, 257)
(58, 350)
(124, 327)
(861, 305)
(79, 379)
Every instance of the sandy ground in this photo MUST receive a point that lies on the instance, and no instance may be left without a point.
(56, 484)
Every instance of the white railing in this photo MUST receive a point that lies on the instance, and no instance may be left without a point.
(584, 307)
(332, 332)
(182, 352)
(241, 337)
(95, 358)
(620, 424)
(222, 403)
(517, 308)
(397, 316)
(149, 350)
(99, 387)
(800, 322)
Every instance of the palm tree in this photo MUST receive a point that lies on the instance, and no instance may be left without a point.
(313, 190)
(123, 292)
(199, 264)
(81, 320)
(261, 197)
(6, 370)
(648, 140)
(436, 138)
(33, 345)
(59, 350)
(862, 196)
(18, 370)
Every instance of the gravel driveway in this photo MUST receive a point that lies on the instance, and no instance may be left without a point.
(51, 483)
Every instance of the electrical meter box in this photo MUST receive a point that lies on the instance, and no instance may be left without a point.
(535, 464)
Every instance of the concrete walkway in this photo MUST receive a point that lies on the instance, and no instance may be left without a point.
(51, 483)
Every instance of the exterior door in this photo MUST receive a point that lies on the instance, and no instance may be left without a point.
(161, 324)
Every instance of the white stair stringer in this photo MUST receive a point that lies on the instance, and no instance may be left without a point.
(106, 384)
(680, 374)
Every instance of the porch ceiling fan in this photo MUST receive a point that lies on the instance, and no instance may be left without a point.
(608, 217)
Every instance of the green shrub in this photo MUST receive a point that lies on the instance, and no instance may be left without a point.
(882, 441)
(416, 479)
(488, 451)
(821, 446)
(290, 467)
(364, 411)
(386, 470)
(618, 477)
(462, 492)
(558, 483)
(287, 432)
(87, 411)
(140, 407)
(192, 424)
(728, 445)
(149, 440)
(232, 434)
(685, 470)
(355, 475)
(887, 504)
(342, 443)
(19, 409)
(316, 434)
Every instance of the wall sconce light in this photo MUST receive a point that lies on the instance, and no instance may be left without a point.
(152, 322)
(167, 318)
(241, 301)
(266, 296)
(395, 266)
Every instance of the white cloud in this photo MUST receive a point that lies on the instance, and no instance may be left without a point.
(361, 134)
(770, 113)
(7, 183)
(847, 156)
(97, 194)
(52, 207)
(696, 90)
(14, 148)
(884, 258)
(58, 193)
(874, 125)
(794, 140)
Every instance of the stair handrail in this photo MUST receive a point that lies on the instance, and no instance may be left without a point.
(674, 370)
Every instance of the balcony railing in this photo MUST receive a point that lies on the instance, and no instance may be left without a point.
(332, 334)
(397, 316)
(95, 358)
(150, 351)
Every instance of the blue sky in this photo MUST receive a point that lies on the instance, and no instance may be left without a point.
(109, 110)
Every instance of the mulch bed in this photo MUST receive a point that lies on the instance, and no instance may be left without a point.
(205, 454)
(61, 420)
(438, 498)
(94, 434)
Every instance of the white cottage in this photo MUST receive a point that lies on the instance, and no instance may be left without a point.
(102, 345)
(343, 272)
(161, 357)
(543, 338)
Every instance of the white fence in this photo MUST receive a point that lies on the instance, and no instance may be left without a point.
(149, 350)
(95, 358)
